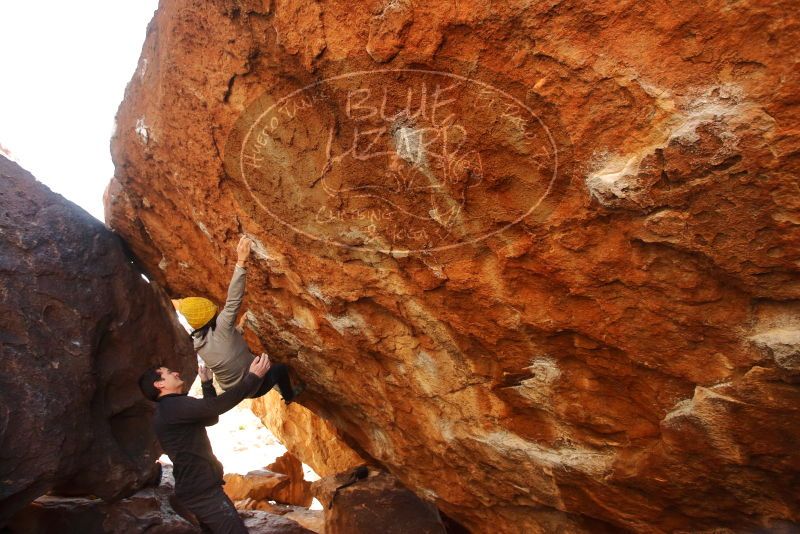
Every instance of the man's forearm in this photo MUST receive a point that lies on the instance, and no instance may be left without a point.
(193, 410)
(236, 394)
(209, 392)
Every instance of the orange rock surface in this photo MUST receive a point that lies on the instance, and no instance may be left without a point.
(298, 491)
(314, 441)
(260, 485)
(538, 260)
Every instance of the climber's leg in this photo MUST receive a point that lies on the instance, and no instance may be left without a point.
(278, 374)
(215, 511)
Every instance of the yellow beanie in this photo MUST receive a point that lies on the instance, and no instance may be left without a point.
(197, 310)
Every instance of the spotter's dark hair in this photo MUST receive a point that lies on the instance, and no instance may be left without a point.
(146, 382)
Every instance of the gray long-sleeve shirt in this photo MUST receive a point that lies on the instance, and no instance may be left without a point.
(223, 348)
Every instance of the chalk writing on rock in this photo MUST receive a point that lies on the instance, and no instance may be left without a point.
(405, 160)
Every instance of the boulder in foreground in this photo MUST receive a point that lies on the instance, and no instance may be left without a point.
(78, 324)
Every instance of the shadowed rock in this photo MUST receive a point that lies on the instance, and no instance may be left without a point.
(376, 503)
(78, 324)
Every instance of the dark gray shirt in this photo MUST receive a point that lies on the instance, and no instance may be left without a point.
(180, 423)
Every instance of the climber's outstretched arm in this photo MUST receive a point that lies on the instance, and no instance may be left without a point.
(226, 320)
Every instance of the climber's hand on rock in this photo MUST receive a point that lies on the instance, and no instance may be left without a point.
(260, 366)
(243, 250)
(204, 373)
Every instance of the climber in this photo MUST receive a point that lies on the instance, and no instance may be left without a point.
(180, 423)
(220, 343)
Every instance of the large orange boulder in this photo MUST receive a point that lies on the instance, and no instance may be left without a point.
(78, 325)
(538, 260)
(313, 440)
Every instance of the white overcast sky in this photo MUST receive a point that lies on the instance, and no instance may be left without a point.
(63, 73)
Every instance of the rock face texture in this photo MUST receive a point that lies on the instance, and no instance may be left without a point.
(258, 522)
(81, 515)
(313, 520)
(315, 441)
(78, 324)
(539, 261)
(148, 510)
(258, 485)
(376, 503)
(298, 491)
